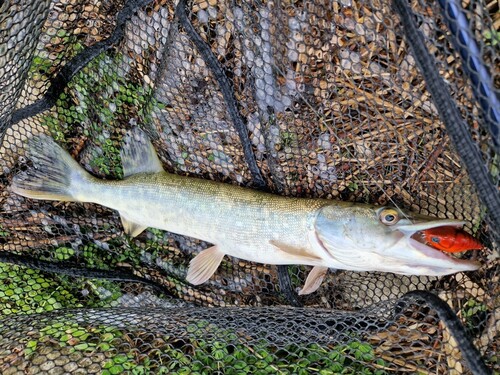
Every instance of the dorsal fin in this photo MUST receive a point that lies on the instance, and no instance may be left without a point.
(138, 154)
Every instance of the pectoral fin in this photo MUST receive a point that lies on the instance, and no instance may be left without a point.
(131, 228)
(295, 254)
(204, 265)
(314, 280)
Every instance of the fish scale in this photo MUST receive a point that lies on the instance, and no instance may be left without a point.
(222, 214)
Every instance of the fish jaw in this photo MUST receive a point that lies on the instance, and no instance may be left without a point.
(422, 224)
(425, 260)
(357, 240)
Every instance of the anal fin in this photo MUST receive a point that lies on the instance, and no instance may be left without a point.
(131, 228)
(314, 280)
(204, 265)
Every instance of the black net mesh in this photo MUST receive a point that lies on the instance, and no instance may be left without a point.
(320, 99)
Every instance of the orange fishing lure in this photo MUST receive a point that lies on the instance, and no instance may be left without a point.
(450, 239)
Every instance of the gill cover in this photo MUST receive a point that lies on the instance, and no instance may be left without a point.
(351, 235)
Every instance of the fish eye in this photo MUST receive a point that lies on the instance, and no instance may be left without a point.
(435, 239)
(389, 216)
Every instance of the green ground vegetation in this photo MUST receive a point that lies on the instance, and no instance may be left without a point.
(204, 349)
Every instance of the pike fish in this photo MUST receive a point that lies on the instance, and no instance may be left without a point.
(241, 222)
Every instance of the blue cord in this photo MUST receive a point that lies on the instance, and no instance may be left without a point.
(473, 65)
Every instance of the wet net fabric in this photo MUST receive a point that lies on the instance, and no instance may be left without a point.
(319, 99)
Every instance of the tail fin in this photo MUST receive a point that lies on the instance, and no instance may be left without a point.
(54, 176)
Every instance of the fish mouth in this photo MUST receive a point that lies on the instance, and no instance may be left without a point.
(427, 259)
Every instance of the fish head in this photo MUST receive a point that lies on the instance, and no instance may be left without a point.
(370, 238)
